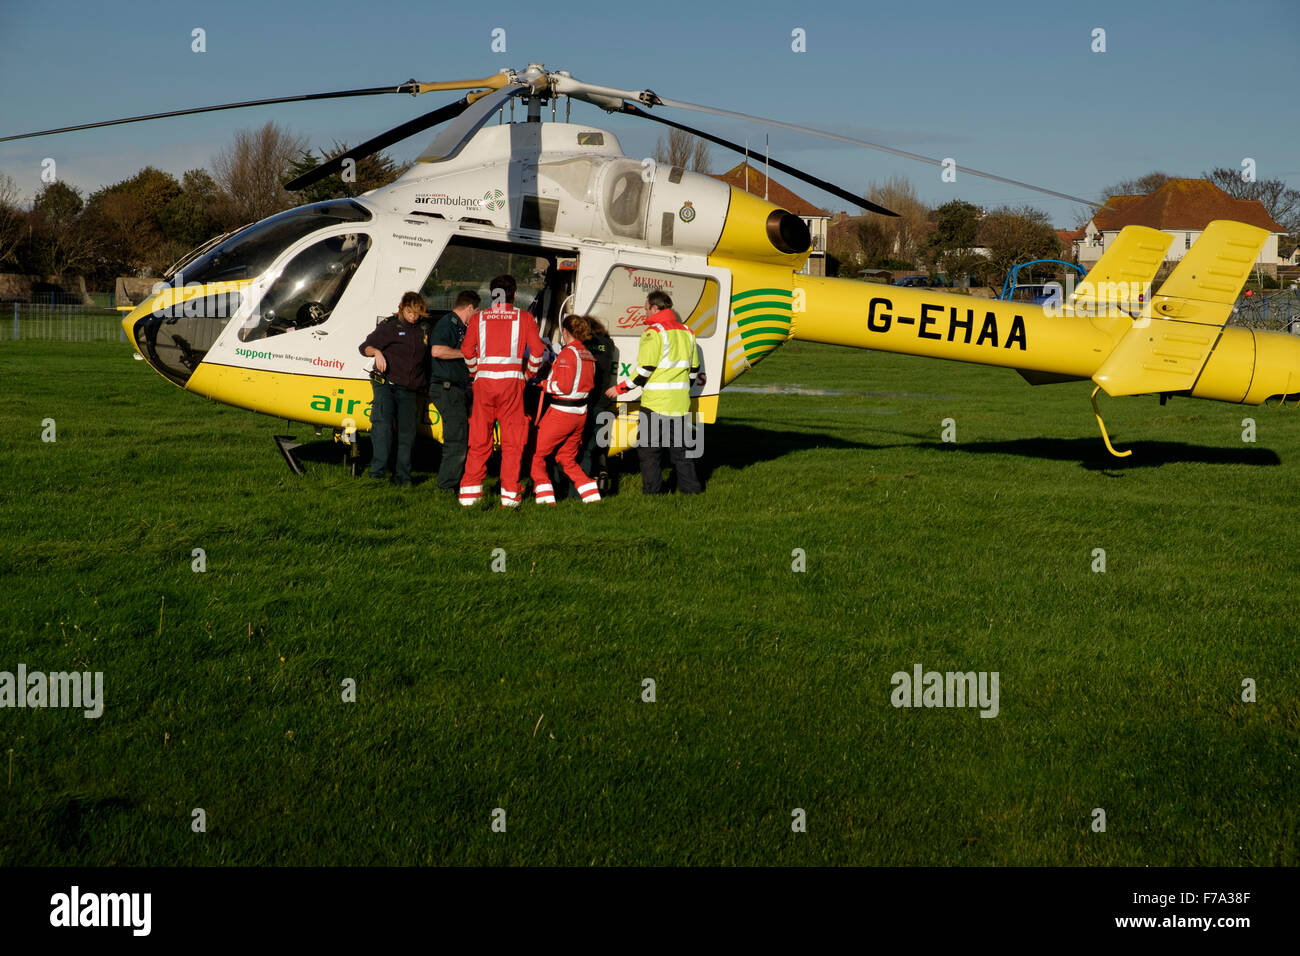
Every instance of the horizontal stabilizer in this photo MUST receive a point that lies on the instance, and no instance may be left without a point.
(1161, 355)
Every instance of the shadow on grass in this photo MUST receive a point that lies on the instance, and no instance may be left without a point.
(733, 445)
(71, 815)
(426, 454)
(1091, 453)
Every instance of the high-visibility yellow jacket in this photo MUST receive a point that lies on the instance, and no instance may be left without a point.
(665, 360)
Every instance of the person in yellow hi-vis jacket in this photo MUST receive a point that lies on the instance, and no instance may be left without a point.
(667, 365)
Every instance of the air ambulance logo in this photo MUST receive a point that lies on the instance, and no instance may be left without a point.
(494, 199)
(686, 213)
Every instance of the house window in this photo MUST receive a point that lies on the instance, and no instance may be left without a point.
(1187, 240)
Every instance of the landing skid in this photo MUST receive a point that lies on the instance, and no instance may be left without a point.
(286, 444)
(351, 460)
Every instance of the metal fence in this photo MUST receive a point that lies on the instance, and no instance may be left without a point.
(1275, 312)
(63, 323)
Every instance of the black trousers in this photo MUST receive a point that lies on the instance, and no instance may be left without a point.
(392, 403)
(453, 407)
(657, 434)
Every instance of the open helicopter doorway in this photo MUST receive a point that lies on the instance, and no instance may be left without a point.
(544, 277)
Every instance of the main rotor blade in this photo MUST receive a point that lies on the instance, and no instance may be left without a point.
(494, 82)
(377, 143)
(861, 142)
(410, 86)
(450, 141)
(633, 110)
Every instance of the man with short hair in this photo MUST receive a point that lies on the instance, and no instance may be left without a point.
(495, 342)
(667, 365)
(449, 387)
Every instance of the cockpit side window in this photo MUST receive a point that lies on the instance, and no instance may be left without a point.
(309, 288)
(249, 252)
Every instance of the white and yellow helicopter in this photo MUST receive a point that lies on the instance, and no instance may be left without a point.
(269, 317)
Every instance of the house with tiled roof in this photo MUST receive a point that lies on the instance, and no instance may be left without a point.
(1182, 208)
(753, 181)
(1068, 238)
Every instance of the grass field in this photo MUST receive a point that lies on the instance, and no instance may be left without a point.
(523, 690)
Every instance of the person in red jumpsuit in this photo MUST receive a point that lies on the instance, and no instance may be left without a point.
(494, 346)
(565, 395)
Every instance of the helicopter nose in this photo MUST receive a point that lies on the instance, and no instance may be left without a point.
(174, 332)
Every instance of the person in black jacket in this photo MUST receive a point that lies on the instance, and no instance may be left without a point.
(593, 455)
(400, 347)
(449, 388)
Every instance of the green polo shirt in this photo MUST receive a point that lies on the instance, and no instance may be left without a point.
(450, 331)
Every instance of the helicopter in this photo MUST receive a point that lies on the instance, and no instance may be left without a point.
(268, 317)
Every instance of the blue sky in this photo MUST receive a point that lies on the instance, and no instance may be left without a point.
(1017, 90)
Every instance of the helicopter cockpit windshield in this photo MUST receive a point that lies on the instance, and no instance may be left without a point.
(309, 287)
(249, 252)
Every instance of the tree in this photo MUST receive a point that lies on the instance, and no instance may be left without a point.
(954, 226)
(1280, 201)
(14, 225)
(908, 232)
(253, 168)
(60, 244)
(371, 172)
(875, 246)
(195, 214)
(953, 240)
(684, 150)
(1141, 186)
(1013, 236)
(957, 264)
(127, 221)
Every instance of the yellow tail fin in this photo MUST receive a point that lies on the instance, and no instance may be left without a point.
(1166, 353)
(1205, 285)
(1132, 260)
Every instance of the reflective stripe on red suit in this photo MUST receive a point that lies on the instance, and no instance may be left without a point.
(571, 380)
(495, 340)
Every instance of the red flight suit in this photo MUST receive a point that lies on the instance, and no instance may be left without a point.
(573, 375)
(495, 340)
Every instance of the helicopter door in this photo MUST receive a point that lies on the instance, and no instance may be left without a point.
(617, 299)
(544, 277)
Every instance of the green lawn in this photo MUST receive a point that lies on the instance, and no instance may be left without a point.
(522, 690)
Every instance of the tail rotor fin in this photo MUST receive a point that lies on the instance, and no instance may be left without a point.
(1166, 352)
